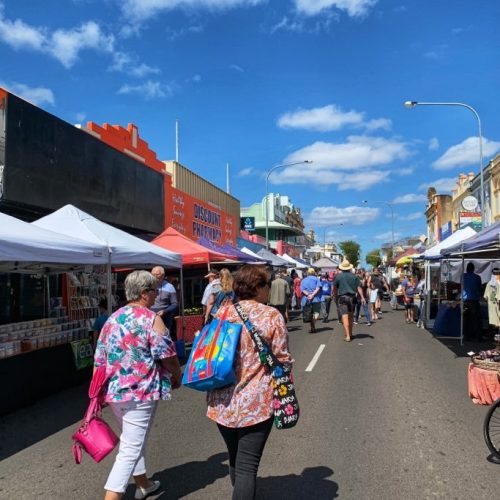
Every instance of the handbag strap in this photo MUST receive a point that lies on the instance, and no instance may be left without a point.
(266, 355)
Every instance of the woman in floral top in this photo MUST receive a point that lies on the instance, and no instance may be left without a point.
(243, 411)
(142, 368)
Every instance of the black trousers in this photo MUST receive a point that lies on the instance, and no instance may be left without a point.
(472, 320)
(245, 446)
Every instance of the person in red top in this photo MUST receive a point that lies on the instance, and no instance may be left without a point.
(297, 290)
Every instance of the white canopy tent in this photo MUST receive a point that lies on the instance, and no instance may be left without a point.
(458, 236)
(295, 263)
(253, 254)
(122, 248)
(28, 248)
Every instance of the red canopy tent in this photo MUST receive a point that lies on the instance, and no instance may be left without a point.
(191, 252)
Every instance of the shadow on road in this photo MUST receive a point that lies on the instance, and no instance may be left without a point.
(27, 426)
(312, 483)
(362, 336)
(182, 480)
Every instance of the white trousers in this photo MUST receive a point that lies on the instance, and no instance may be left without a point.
(134, 419)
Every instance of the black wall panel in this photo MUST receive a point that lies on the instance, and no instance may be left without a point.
(50, 163)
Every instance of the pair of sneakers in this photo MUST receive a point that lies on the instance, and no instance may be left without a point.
(141, 493)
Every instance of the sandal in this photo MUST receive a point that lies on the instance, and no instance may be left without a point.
(346, 339)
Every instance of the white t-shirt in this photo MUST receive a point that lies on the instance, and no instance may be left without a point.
(373, 296)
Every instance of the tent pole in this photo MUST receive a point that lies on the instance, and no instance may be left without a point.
(108, 284)
(47, 288)
(462, 303)
(182, 304)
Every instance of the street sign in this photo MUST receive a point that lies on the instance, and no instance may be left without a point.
(247, 223)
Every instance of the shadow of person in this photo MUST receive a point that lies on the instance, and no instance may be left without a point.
(181, 480)
(363, 336)
(312, 483)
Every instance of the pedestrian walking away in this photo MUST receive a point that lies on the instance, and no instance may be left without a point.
(279, 294)
(243, 411)
(311, 295)
(141, 368)
(345, 286)
(326, 297)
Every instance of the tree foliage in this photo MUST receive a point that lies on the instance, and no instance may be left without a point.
(373, 258)
(351, 251)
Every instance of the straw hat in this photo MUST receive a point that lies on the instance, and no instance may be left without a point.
(345, 265)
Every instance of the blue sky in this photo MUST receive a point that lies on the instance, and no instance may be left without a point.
(259, 83)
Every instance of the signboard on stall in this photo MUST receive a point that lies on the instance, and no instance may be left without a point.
(247, 223)
(83, 354)
(472, 219)
(195, 218)
(446, 230)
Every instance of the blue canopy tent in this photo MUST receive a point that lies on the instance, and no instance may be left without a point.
(486, 240)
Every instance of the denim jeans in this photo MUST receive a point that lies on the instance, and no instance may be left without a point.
(366, 310)
(245, 446)
(134, 419)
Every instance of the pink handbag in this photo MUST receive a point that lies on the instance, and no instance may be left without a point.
(94, 436)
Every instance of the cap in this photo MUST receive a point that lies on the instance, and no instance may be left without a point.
(211, 273)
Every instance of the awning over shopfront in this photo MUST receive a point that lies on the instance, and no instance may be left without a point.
(24, 247)
(456, 238)
(488, 238)
(191, 252)
(124, 248)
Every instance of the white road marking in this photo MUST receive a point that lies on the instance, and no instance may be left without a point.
(313, 362)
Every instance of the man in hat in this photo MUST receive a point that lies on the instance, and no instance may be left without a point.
(345, 286)
(213, 287)
(311, 294)
(279, 294)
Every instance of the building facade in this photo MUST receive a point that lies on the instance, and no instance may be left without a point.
(438, 212)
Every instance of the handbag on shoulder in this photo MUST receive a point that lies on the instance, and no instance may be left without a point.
(285, 403)
(94, 435)
(211, 362)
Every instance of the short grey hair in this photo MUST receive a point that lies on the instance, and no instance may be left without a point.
(138, 281)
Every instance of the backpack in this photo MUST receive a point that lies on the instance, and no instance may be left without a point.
(377, 281)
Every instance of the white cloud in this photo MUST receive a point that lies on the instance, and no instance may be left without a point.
(35, 95)
(328, 118)
(181, 32)
(404, 171)
(65, 45)
(410, 198)
(237, 68)
(350, 165)
(245, 172)
(148, 90)
(353, 8)
(433, 144)
(80, 117)
(19, 35)
(331, 216)
(137, 11)
(412, 216)
(387, 236)
(466, 154)
(445, 184)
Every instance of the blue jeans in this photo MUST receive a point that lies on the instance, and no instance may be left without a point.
(366, 310)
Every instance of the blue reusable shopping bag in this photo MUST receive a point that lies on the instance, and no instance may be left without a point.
(210, 363)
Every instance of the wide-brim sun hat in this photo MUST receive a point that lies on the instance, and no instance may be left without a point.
(345, 265)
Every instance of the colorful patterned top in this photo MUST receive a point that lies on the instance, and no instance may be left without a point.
(130, 349)
(249, 401)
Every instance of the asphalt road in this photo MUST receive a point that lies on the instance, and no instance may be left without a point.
(386, 416)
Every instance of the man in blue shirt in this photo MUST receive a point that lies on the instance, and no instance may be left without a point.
(311, 294)
(472, 311)
(326, 297)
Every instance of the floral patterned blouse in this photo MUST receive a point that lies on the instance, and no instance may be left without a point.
(249, 401)
(130, 349)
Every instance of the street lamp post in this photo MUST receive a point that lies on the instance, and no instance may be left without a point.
(267, 192)
(412, 104)
(392, 220)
